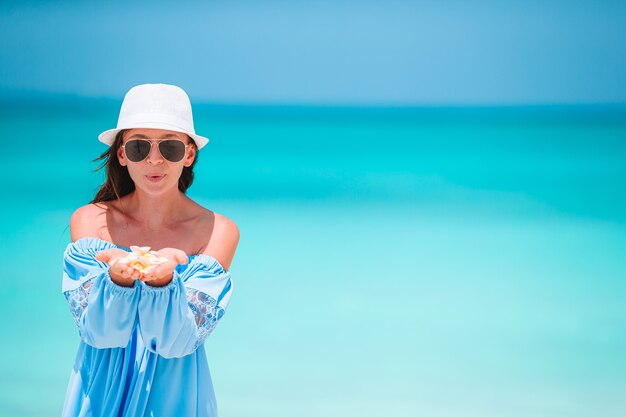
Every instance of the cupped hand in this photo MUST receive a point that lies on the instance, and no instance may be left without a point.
(117, 268)
(163, 273)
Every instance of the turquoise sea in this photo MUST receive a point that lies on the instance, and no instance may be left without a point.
(393, 261)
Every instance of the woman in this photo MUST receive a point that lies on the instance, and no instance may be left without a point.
(142, 331)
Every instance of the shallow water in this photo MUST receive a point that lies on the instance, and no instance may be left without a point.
(398, 262)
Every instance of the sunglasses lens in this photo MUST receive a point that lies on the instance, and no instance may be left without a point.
(137, 150)
(172, 150)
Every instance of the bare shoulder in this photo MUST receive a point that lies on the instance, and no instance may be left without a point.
(223, 241)
(226, 225)
(87, 221)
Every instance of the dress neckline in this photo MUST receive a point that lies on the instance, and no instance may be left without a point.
(195, 255)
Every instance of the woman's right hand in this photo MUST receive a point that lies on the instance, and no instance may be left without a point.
(121, 273)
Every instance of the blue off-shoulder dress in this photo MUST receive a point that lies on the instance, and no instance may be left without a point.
(141, 351)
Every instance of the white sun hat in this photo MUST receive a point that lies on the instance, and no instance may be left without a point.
(155, 106)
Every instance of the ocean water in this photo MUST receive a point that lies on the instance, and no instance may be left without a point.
(393, 261)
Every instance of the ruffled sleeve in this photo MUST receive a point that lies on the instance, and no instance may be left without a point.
(105, 312)
(174, 320)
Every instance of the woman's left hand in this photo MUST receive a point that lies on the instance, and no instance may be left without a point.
(161, 275)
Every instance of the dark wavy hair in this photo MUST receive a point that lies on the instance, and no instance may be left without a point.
(118, 181)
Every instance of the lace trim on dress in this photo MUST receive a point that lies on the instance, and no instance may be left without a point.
(206, 312)
(78, 299)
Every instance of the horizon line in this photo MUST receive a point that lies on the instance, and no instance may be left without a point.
(14, 95)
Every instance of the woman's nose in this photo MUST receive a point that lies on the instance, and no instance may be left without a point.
(155, 157)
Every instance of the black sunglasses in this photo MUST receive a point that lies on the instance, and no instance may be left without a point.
(136, 150)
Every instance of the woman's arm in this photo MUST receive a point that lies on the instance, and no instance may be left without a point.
(105, 312)
(174, 320)
(104, 305)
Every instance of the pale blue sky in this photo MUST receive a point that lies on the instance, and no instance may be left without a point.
(322, 52)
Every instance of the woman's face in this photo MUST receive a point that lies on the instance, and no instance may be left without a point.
(155, 173)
